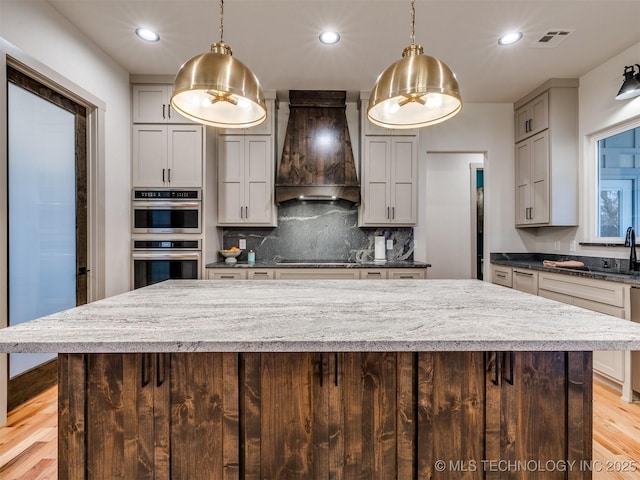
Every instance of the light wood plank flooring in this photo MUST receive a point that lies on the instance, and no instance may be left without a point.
(28, 443)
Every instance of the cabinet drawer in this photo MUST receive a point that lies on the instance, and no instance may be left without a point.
(599, 291)
(221, 274)
(373, 274)
(317, 274)
(260, 274)
(408, 274)
(502, 276)
(525, 281)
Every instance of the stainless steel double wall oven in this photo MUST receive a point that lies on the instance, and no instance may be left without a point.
(166, 235)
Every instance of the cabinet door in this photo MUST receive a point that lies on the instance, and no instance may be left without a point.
(523, 183)
(149, 156)
(525, 281)
(379, 421)
(285, 403)
(532, 118)
(538, 409)
(258, 191)
(377, 184)
(407, 274)
(404, 172)
(199, 398)
(451, 414)
(185, 156)
(540, 201)
(150, 104)
(106, 419)
(231, 179)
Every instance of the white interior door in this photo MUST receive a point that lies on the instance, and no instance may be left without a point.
(42, 213)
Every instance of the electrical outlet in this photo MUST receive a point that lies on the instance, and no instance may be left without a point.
(556, 245)
(572, 246)
(242, 243)
(389, 244)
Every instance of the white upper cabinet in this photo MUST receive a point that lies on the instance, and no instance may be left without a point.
(167, 156)
(151, 104)
(245, 180)
(246, 173)
(546, 156)
(389, 181)
(532, 117)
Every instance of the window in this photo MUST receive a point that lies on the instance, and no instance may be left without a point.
(618, 183)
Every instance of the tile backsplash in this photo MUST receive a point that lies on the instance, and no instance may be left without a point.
(309, 230)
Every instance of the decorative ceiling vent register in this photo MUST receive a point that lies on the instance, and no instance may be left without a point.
(553, 37)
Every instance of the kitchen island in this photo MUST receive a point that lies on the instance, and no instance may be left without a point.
(324, 379)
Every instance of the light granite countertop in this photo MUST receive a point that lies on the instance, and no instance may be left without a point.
(322, 315)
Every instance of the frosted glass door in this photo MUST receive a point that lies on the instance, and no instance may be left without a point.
(42, 213)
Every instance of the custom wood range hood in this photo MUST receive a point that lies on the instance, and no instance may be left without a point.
(317, 160)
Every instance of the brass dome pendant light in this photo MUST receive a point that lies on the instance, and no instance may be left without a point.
(218, 90)
(416, 91)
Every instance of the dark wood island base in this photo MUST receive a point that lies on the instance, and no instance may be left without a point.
(350, 416)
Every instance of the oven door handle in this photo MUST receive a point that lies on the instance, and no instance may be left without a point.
(166, 256)
(163, 204)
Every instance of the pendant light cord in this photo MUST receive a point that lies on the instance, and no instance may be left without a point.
(221, 21)
(413, 22)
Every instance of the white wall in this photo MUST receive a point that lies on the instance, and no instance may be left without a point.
(478, 128)
(36, 29)
(598, 111)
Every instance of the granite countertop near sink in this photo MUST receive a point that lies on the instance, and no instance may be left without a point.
(602, 268)
(318, 264)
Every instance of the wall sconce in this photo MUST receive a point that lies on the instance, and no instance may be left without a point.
(631, 86)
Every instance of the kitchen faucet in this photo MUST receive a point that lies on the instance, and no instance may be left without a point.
(630, 241)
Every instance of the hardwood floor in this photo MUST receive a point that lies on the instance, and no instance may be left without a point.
(28, 442)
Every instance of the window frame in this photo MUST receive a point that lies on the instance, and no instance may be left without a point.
(593, 183)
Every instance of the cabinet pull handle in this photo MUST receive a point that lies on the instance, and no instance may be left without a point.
(241, 212)
(393, 213)
(388, 213)
(496, 368)
(163, 175)
(229, 277)
(524, 273)
(169, 175)
(501, 275)
(160, 369)
(406, 276)
(246, 212)
(169, 110)
(144, 368)
(509, 356)
(163, 108)
(261, 273)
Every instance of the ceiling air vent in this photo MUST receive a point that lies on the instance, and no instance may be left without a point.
(553, 37)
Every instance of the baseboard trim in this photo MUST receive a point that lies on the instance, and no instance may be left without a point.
(30, 383)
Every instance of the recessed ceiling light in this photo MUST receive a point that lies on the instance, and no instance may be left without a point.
(510, 38)
(147, 35)
(329, 38)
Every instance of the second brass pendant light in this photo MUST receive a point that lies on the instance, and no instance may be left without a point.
(416, 91)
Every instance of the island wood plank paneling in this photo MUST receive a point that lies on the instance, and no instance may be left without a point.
(349, 415)
(451, 415)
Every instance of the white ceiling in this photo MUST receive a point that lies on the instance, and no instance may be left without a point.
(278, 39)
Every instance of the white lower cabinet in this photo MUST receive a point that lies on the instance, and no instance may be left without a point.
(252, 273)
(525, 281)
(600, 296)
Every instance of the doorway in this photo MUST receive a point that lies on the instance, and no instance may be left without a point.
(454, 225)
(47, 217)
